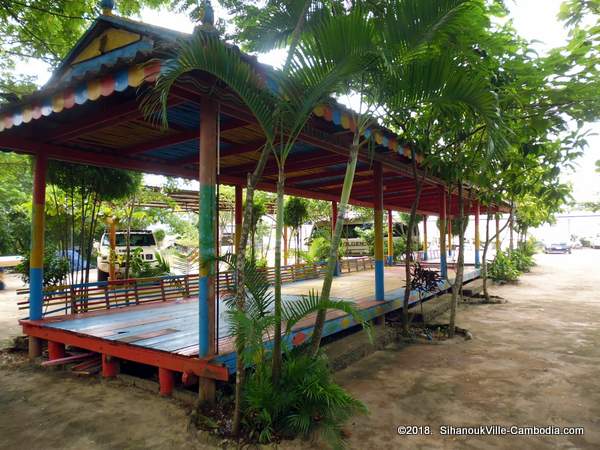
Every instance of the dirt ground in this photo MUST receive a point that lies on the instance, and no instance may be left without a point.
(532, 361)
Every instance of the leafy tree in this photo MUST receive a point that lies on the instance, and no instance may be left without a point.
(46, 30)
(295, 214)
(259, 209)
(15, 203)
(439, 99)
(84, 188)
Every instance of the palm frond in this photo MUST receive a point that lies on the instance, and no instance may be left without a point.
(337, 49)
(415, 27)
(294, 312)
(205, 52)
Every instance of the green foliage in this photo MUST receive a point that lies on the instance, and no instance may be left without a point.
(295, 212)
(503, 268)
(529, 247)
(320, 248)
(46, 30)
(141, 268)
(56, 267)
(104, 183)
(15, 203)
(368, 236)
(521, 260)
(306, 402)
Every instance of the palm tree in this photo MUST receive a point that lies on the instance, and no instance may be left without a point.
(205, 52)
(331, 49)
(315, 68)
(412, 74)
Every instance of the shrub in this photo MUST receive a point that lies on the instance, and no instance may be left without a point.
(502, 268)
(529, 247)
(140, 268)
(305, 402)
(320, 248)
(522, 260)
(56, 267)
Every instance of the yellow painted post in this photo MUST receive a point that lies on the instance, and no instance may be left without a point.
(36, 261)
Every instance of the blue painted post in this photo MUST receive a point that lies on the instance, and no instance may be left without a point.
(443, 263)
(206, 228)
(477, 239)
(390, 253)
(334, 214)
(378, 228)
(36, 262)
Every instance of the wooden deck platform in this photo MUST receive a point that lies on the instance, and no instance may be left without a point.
(166, 334)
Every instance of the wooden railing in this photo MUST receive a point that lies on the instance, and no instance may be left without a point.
(86, 297)
(356, 264)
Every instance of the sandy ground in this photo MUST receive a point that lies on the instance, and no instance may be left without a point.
(532, 361)
(9, 314)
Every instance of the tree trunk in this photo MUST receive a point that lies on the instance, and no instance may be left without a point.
(484, 256)
(335, 242)
(240, 276)
(485, 249)
(409, 237)
(460, 266)
(276, 360)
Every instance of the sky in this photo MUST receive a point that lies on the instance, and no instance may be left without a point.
(535, 20)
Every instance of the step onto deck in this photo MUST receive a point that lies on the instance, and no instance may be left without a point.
(353, 347)
(431, 309)
(473, 288)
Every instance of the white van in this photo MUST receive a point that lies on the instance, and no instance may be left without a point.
(143, 239)
(352, 243)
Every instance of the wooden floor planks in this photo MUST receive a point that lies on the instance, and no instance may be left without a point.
(173, 326)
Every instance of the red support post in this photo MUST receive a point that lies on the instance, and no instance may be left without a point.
(207, 225)
(110, 366)
(56, 350)
(166, 381)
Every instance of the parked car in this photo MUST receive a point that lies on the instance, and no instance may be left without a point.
(143, 239)
(596, 242)
(557, 247)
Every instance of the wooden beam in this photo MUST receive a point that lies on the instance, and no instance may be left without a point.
(96, 159)
(106, 115)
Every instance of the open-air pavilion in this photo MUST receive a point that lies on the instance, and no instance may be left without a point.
(89, 113)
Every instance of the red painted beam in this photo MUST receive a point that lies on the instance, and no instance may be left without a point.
(389, 159)
(97, 159)
(307, 162)
(114, 349)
